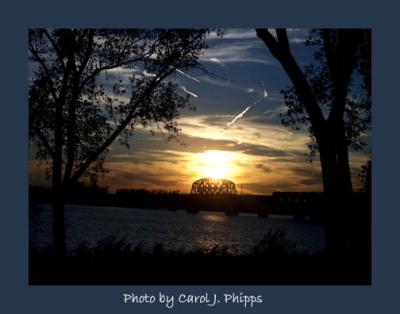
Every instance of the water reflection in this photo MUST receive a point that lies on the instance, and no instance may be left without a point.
(213, 217)
(175, 230)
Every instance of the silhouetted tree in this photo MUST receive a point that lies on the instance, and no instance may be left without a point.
(332, 95)
(77, 106)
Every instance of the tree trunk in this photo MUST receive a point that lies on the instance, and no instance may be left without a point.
(59, 239)
(337, 187)
(341, 60)
(58, 193)
(334, 158)
(343, 161)
(58, 197)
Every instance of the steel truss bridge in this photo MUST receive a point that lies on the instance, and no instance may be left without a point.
(212, 186)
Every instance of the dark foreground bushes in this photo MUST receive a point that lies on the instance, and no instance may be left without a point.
(274, 260)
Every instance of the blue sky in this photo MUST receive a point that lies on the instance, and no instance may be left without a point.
(256, 151)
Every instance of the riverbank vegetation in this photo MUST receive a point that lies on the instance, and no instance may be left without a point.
(273, 260)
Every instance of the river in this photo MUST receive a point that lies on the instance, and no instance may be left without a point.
(176, 230)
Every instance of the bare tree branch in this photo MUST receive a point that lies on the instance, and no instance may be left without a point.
(45, 69)
(44, 141)
(283, 38)
(297, 76)
(56, 48)
(85, 165)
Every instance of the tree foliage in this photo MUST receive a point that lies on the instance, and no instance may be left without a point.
(89, 87)
(324, 96)
(357, 111)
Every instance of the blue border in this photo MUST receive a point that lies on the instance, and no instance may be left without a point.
(18, 16)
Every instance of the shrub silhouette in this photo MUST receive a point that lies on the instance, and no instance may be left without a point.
(275, 243)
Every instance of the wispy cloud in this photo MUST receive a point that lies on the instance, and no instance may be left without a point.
(235, 33)
(236, 52)
(230, 83)
(148, 74)
(276, 136)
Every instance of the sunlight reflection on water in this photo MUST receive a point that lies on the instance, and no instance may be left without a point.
(175, 230)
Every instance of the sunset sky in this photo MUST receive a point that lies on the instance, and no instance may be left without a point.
(235, 131)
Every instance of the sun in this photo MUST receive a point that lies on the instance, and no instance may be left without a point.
(215, 164)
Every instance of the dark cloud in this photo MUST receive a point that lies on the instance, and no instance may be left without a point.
(311, 181)
(259, 188)
(263, 150)
(217, 120)
(273, 119)
(306, 171)
(146, 152)
(125, 177)
(310, 175)
(197, 144)
(264, 168)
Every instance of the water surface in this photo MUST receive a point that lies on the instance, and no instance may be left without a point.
(174, 229)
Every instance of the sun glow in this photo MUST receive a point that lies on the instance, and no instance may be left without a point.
(215, 164)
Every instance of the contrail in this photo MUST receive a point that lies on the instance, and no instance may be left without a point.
(238, 116)
(188, 92)
(187, 75)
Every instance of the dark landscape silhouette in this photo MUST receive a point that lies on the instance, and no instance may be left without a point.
(273, 260)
